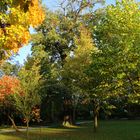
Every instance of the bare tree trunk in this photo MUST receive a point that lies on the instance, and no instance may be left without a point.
(74, 115)
(95, 122)
(96, 108)
(27, 128)
(13, 124)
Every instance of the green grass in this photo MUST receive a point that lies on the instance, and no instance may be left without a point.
(108, 130)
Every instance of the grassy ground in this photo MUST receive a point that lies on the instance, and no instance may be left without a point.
(109, 130)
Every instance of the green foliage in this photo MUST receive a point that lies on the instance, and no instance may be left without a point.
(27, 97)
(9, 69)
(61, 34)
(115, 67)
(78, 56)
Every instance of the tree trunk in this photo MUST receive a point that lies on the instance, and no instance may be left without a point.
(96, 108)
(95, 122)
(73, 115)
(27, 130)
(66, 120)
(13, 124)
(52, 111)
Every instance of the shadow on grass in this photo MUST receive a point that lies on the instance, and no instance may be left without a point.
(58, 133)
(110, 130)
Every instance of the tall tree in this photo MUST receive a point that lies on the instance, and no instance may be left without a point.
(113, 37)
(28, 97)
(61, 33)
(72, 73)
(115, 66)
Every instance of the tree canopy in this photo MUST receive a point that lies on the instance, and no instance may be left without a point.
(83, 60)
(16, 16)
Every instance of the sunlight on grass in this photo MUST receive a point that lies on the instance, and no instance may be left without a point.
(111, 130)
(10, 137)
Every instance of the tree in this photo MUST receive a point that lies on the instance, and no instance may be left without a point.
(53, 39)
(28, 98)
(15, 19)
(100, 74)
(115, 66)
(61, 33)
(113, 36)
(58, 31)
(72, 73)
(8, 87)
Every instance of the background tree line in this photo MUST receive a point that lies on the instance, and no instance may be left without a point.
(84, 65)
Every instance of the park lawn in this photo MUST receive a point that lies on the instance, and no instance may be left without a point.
(109, 130)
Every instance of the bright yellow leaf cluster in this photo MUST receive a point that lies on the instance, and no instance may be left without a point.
(36, 14)
(16, 36)
(15, 19)
(84, 43)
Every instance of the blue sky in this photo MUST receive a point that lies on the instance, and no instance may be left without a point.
(26, 50)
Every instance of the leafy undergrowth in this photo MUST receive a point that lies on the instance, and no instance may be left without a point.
(111, 130)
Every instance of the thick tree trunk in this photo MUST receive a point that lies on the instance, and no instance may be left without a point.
(66, 120)
(13, 124)
(73, 115)
(52, 111)
(95, 122)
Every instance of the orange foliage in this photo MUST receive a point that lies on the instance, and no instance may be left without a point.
(8, 85)
(36, 14)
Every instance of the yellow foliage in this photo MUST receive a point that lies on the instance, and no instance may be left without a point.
(84, 43)
(81, 60)
(1, 32)
(36, 14)
(16, 36)
(15, 23)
